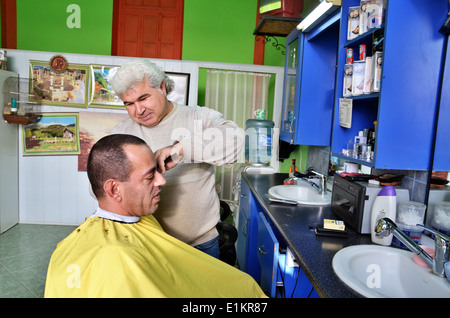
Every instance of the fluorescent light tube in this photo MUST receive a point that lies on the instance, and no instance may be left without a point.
(315, 16)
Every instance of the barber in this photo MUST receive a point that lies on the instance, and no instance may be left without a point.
(188, 142)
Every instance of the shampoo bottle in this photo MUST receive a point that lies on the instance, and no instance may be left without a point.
(384, 206)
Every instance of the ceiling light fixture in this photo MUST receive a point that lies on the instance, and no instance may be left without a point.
(324, 9)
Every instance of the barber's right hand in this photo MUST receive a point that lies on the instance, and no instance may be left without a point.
(168, 157)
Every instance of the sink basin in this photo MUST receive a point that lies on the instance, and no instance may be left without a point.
(302, 193)
(381, 271)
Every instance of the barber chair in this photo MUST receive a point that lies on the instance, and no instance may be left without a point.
(227, 236)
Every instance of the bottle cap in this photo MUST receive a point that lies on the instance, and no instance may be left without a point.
(388, 191)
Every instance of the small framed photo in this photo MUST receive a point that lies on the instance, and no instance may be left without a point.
(101, 92)
(53, 134)
(67, 88)
(180, 94)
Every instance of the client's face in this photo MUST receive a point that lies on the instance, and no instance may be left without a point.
(141, 192)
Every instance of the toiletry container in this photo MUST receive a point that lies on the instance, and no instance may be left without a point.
(409, 214)
(384, 206)
(441, 217)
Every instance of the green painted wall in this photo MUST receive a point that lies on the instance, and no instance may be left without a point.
(215, 31)
(219, 31)
(42, 26)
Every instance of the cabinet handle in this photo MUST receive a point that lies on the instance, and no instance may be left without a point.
(292, 123)
(244, 228)
(261, 250)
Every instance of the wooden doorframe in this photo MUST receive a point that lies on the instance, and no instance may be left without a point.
(9, 24)
(258, 51)
(115, 26)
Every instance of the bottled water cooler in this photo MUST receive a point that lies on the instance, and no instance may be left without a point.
(258, 141)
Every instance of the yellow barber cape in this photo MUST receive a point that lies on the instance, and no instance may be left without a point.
(104, 258)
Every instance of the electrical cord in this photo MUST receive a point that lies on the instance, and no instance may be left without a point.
(282, 280)
(296, 281)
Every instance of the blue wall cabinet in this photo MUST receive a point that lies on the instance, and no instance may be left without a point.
(310, 75)
(406, 105)
(442, 146)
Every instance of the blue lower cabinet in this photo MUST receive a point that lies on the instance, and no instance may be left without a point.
(279, 277)
(261, 252)
(268, 254)
(295, 283)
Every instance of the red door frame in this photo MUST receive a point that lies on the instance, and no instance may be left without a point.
(9, 24)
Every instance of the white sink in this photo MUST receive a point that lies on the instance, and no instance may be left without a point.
(381, 271)
(302, 193)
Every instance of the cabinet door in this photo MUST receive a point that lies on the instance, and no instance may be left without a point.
(247, 232)
(310, 76)
(242, 241)
(289, 116)
(243, 225)
(442, 146)
(409, 90)
(268, 254)
(296, 283)
(317, 83)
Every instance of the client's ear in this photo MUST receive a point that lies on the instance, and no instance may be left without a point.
(111, 188)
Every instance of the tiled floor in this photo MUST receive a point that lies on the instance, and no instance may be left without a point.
(25, 251)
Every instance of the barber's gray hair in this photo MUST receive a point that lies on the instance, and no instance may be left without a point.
(136, 71)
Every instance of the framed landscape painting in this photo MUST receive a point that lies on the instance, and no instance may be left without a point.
(53, 134)
(101, 94)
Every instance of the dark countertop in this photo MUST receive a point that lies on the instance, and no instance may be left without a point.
(314, 253)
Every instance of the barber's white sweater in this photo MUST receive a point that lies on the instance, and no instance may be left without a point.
(189, 206)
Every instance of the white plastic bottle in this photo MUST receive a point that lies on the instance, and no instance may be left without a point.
(384, 206)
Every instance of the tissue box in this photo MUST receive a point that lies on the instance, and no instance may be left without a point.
(377, 63)
(358, 77)
(348, 74)
(353, 22)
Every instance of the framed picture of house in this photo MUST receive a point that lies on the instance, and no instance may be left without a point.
(101, 93)
(53, 134)
(67, 88)
(180, 93)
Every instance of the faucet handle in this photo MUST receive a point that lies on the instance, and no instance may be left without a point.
(443, 239)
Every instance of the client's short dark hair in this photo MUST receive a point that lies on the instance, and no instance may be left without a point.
(108, 160)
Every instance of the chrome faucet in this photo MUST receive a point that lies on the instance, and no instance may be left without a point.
(386, 226)
(309, 176)
(323, 182)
